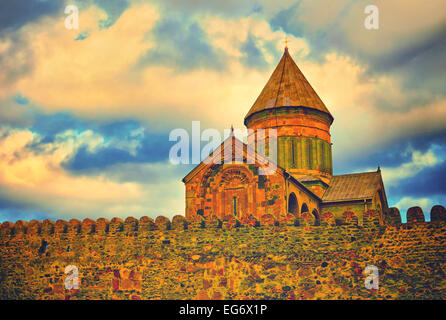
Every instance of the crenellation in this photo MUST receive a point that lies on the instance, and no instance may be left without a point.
(162, 223)
(415, 215)
(7, 228)
(47, 227)
(88, 226)
(20, 227)
(131, 225)
(116, 225)
(74, 226)
(146, 224)
(438, 213)
(179, 222)
(102, 226)
(34, 227)
(61, 226)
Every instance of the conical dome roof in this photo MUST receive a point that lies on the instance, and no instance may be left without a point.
(287, 87)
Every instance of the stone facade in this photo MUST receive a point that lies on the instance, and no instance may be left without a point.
(251, 259)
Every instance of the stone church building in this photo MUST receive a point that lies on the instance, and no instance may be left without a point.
(303, 185)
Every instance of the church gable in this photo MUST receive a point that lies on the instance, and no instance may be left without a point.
(229, 184)
(234, 151)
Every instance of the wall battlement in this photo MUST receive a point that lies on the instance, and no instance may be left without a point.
(213, 259)
(131, 226)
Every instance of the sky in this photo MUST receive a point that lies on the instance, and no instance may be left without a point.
(85, 114)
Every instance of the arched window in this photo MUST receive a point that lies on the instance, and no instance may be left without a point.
(304, 208)
(322, 157)
(310, 154)
(293, 206)
(293, 156)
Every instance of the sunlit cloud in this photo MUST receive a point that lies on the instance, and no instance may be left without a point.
(85, 114)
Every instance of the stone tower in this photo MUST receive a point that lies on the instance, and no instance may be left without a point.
(289, 104)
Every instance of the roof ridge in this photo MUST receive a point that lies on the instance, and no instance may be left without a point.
(356, 173)
(281, 78)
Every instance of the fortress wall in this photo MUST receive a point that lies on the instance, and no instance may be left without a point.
(163, 259)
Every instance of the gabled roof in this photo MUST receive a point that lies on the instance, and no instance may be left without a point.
(237, 146)
(353, 186)
(287, 87)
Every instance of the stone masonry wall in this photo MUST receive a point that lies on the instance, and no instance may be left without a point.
(162, 259)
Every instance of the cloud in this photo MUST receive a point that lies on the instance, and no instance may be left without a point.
(228, 8)
(37, 180)
(182, 44)
(113, 8)
(429, 182)
(420, 161)
(82, 35)
(409, 43)
(252, 55)
(16, 13)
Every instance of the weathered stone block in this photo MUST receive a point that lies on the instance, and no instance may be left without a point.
(371, 218)
(267, 219)
(307, 219)
(327, 219)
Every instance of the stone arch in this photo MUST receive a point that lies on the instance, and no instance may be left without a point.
(293, 204)
(304, 208)
(234, 192)
(317, 220)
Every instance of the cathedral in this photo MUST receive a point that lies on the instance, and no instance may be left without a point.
(303, 185)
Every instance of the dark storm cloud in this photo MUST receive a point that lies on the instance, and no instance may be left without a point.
(16, 13)
(182, 43)
(123, 141)
(428, 183)
(48, 125)
(154, 148)
(396, 153)
(422, 65)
